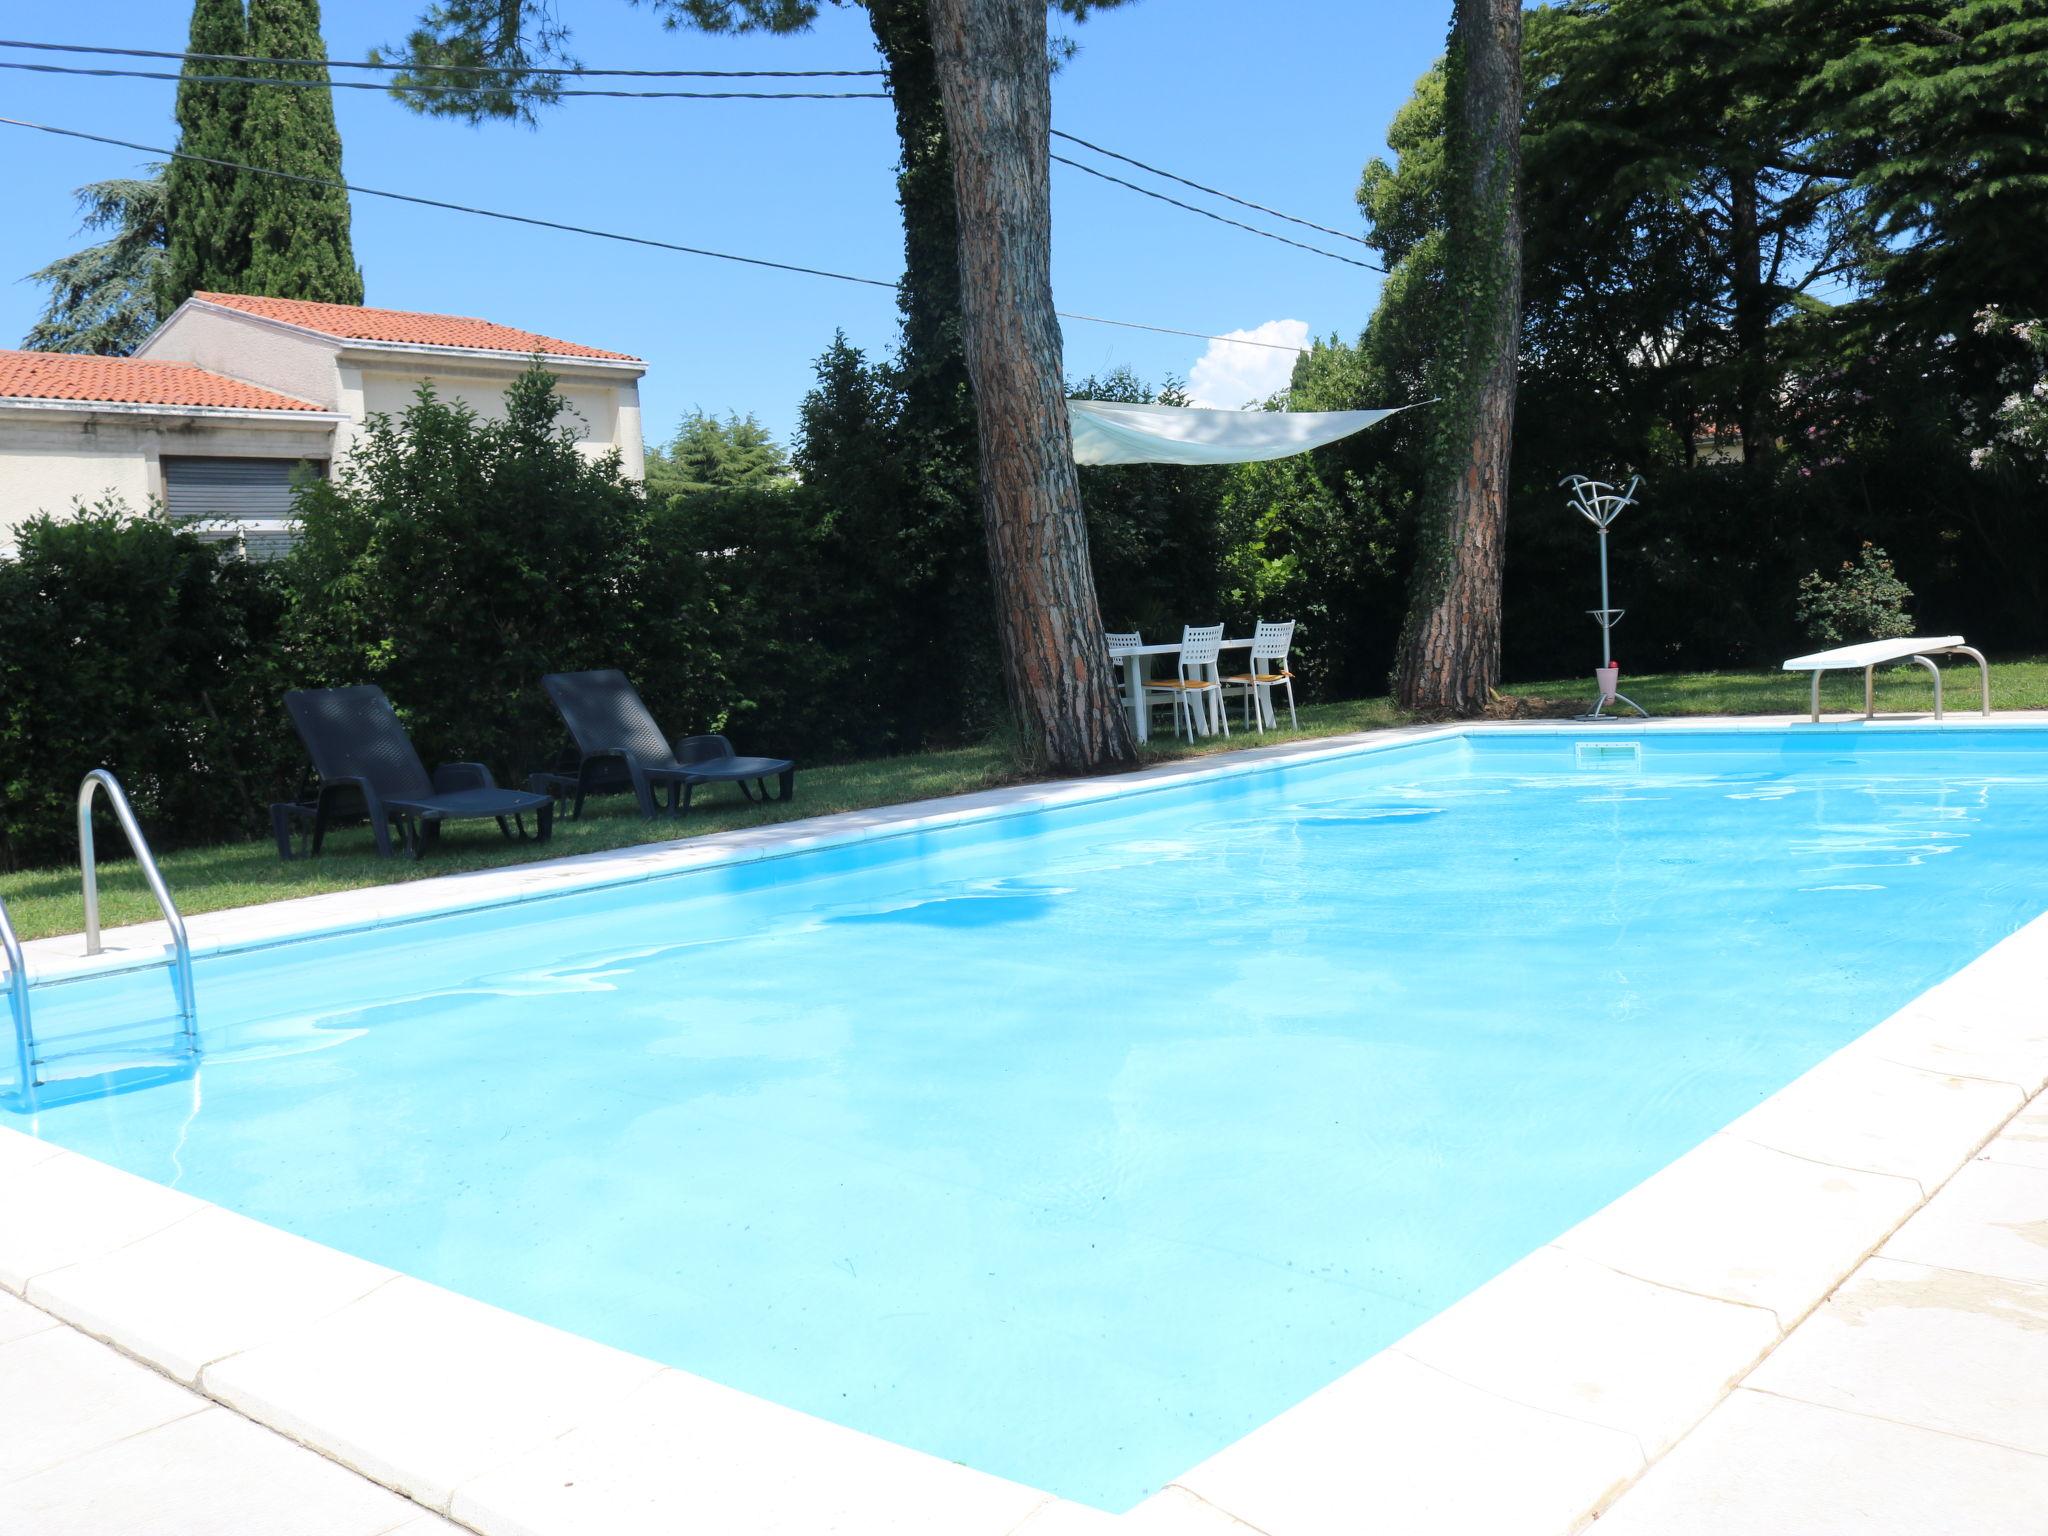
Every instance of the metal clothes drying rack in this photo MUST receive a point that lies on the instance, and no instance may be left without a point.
(1600, 504)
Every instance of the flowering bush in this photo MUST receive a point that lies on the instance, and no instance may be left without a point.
(2016, 434)
(1865, 600)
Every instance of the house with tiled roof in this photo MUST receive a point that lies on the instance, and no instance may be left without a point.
(233, 396)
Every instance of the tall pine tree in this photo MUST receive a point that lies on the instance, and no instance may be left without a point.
(298, 234)
(1449, 659)
(206, 223)
(939, 545)
(239, 232)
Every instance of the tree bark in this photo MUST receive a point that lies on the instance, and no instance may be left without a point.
(1752, 320)
(994, 81)
(940, 552)
(1449, 660)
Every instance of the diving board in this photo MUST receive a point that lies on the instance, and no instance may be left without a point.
(1872, 654)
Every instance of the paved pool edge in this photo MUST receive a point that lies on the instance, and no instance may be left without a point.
(297, 919)
(1646, 1314)
(232, 930)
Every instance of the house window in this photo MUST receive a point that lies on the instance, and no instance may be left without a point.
(245, 502)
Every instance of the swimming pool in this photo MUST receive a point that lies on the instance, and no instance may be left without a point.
(1073, 1145)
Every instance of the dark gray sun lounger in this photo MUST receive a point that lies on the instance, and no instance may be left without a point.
(361, 752)
(614, 732)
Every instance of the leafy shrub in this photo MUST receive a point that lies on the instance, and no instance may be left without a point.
(2015, 434)
(128, 644)
(1708, 564)
(810, 668)
(889, 500)
(455, 560)
(1865, 600)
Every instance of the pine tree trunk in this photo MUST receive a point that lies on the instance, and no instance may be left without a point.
(929, 297)
(995, 82)
(939, 560)
(1752, 321)
(1449, 661)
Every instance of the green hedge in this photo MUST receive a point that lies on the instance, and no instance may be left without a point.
(129, 645)
(453, 561)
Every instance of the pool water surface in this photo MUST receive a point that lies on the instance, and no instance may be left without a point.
(1074, 1145)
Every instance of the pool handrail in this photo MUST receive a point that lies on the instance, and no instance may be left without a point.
(17, 998)
(181, 947)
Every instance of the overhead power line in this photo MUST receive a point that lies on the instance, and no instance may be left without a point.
(1264, 234)
(572, 71)
(580, 229)
(452, 69)
(1242, 202)
(411, 88)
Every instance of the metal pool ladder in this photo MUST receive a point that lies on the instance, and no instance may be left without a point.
(103, 1055)
(17, 1002)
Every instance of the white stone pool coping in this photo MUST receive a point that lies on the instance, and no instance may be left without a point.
(1524, 1408)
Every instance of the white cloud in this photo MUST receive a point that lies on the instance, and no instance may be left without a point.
(1230, 376)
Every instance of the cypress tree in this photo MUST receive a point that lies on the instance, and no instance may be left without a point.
(298, 234)
(206, 220)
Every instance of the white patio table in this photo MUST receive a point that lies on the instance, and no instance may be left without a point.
(1135, 669)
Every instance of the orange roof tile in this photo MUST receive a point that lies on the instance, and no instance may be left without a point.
(131, 381)
(354, 322)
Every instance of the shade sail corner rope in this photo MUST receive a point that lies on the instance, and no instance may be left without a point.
(1111, 432)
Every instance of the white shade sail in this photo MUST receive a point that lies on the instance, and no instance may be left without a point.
(1106, 432)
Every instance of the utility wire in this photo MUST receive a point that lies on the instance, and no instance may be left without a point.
(383, 85)
(1264, 234)
(577, 70)
(1242, 202)
(580, 71)
(579, 229)
(479, 69)
(430, 90)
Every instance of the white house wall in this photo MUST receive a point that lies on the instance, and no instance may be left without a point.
(290, 362)
(606, 413)
(632, 444)
(50, 461)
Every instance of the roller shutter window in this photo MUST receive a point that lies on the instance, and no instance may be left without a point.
(241, 490)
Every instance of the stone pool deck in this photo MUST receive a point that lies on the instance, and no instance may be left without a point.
(1914, 1400)
(1830, 1316)
(94, 1443)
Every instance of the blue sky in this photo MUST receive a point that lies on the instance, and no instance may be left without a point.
(1280, 101)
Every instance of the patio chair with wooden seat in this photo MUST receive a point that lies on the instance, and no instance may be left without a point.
(1121, 643)
(1195, 681)
(1268, 670)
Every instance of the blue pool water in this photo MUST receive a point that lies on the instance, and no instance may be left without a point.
(1074, 1145)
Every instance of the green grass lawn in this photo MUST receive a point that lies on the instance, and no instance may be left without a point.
(45, 902)
(2016, 683)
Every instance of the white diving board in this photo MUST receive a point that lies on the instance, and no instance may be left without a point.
(1872, 654)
